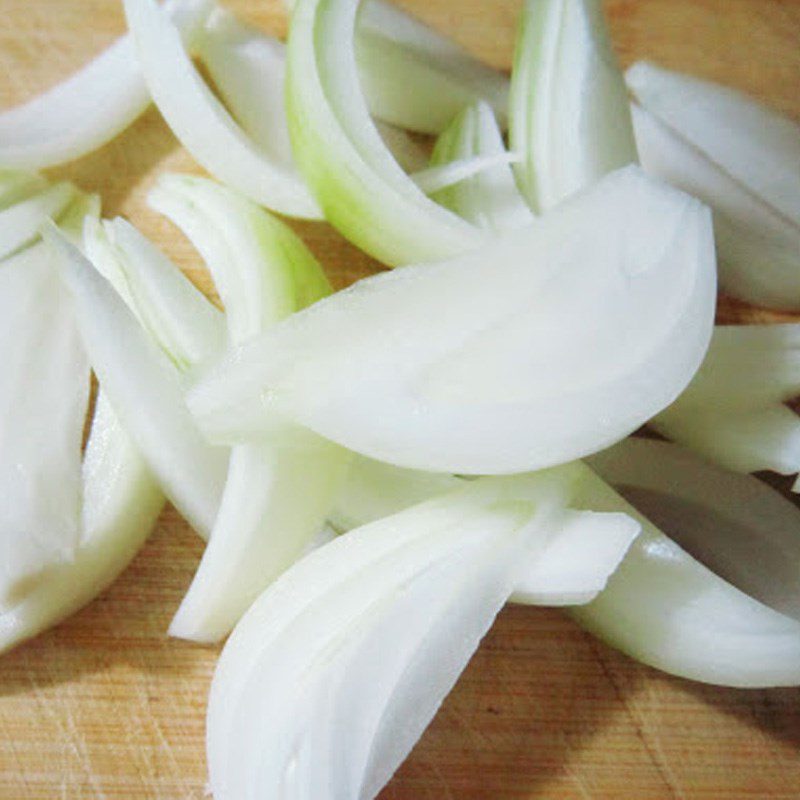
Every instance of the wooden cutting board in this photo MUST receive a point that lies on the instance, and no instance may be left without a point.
(105, 706)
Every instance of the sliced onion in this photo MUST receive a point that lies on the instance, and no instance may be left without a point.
(569, 119)
(20, 223)
(336, 670)
(16, 186)
(514, 357)
(145, 390)
(89, 108)
(438, 177)
(359, 185)
(43, 398)
(489, 199)
(757, 246)
(120, 505)
(732, 412)
(201, 122)
(665, 608)
(278, 491)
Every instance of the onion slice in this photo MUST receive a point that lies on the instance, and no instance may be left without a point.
(201, 122)
(89, 108)
(732, 412)
(569, 116)
(757, 245)
(489, 199)
(145, 391)
(664, 607)
(529, 364)
(356, 180)
(336, 670)
(279, 490)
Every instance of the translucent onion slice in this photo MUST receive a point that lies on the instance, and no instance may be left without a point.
(20, 223)
(757, 246)
(359, 185)
(120, 505)
(89, 108)
(278, 491)
(572, 568)
(145, 390)
(337, 669)
(664, 607)
(43, 398)
(201, 122)
(754, 145)
(415, 78)
(514, 357)
(732, 412)
(177, 315)
(490, 199)
(569, 119)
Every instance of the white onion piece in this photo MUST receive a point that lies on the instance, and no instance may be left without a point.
(569, 119)
(120, 505)
(755, 146)
(145, 390)
(359, 185)
(514, 357)
(665, 608)
(336, 670)
(43, 398)
(278, 491)
(489, 199)
(89, 108)
(757, 246)
(572, 568)
(177, 315)
(414, 77)
(20, 223)
(201, 122)
(732, 412)
(437, 177)
(16, 186)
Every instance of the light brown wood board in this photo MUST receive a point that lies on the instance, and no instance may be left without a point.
(106, 706)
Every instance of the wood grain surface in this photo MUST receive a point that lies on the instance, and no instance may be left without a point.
(106, 706)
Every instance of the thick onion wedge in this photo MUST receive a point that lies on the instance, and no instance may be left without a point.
(538, 371)
(732, 412)
(89, 108)
(145, 391)
(279, 490)
(337, 669)
(665, 608)
(356, 180)
(757, 246)
(569, 120)
(490, 199)
(201, 122)
(572, 568)
(43, 398)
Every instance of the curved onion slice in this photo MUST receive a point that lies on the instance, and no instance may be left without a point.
(569, 119)
(758, 247)
(201, 122)
(489, 199)
(732, 412)
(337, 669)
(572, 568)
(20, 223)
(665, 608)
(145, 391)
(415, 78)
(120, 505)
(43, 398)
(361, 188)
(515, 357)
(279, 490)
(89, 108)
(16, 186)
